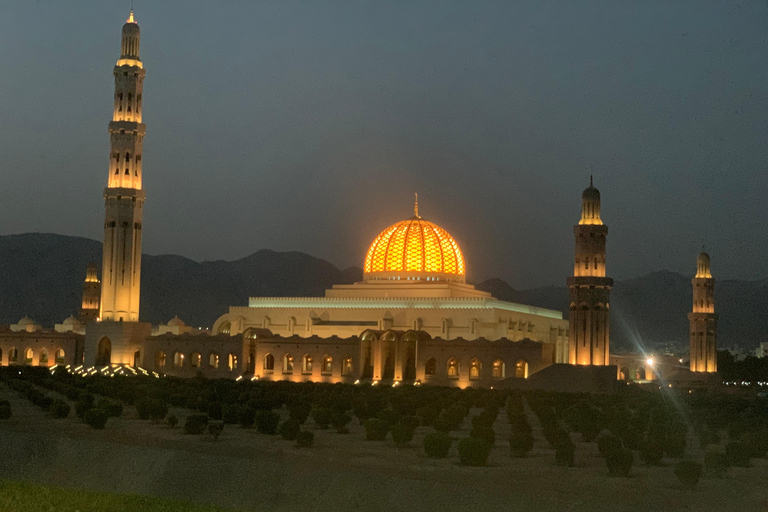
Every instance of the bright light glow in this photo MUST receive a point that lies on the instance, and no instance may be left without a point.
(414, 245)
(649, 361)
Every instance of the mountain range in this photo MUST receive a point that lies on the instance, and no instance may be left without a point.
(41, 275)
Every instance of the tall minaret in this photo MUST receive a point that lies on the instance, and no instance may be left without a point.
(121, 269)
(89, 309)
(589, 317)
(703, 320)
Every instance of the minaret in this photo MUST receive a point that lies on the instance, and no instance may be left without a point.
(121, 268)
(590, 290)
(89, 310)
(703, 320)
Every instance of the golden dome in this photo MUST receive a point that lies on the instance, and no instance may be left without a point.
(414, 249)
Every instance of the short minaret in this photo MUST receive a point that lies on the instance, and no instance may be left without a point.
(590, 290)
(121, 269)
(89, 310)
(702, 318)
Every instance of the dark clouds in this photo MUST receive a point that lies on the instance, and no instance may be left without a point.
(308, 126)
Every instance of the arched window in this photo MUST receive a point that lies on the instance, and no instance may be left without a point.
(60, 356)
(28, 356)
(43, 358)
(521, 369)
(232, 362)
(195, 360)
(269, 363)
(346, 367)
(306, 364)
(327, 365)
(178, 360)
(430, 367)
(213, 360)
(474, 368)
(287, 364)
(13, 355)
(624, 373)
(499, 369)
(453, 368)
(640, 374)
(160, 359)
(225, 328)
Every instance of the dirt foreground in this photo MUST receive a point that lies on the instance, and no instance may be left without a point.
(248, 471)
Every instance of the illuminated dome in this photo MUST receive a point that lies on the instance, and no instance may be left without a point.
(414, 250)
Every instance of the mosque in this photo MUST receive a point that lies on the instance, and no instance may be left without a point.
(412, 319)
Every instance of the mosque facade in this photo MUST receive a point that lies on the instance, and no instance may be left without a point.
(413, 317)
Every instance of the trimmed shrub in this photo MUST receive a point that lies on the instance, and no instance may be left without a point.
(215, 428)
(87, 398)
(608, 443)
(340, 422)
(707, 437)
(5, 412)
(112, 408)
(59, 409)
(322, 417)
(172, 421)
(519, 423)
(389, 417)
(82, 407)
(716, 462)
(411, 422)
(437, 444)
(651, 452)
(737, 453)
(520, 443)
(375, 429)
(96, 418)
(619, 462)
(214, 410)
(151, 408)
(230, 413)
(304, 439)
(299, 411)
(289, 429)
(688, 472)
(564, 449)
(428, 414)
(267, 422)
(196, 424)
(247, 416)
(474, 451)
(483, 432)
(402, 434)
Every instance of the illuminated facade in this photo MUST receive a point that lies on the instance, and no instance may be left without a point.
(589, 311)
(124, 197)
(703, 319)
(413, 281)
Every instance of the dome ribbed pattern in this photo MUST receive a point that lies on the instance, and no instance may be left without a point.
(415, 245)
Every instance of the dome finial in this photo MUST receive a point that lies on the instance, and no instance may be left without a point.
(416, 205)
(130, 18)
(590, 180)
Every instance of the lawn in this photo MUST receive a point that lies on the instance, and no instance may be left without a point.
(24, 496)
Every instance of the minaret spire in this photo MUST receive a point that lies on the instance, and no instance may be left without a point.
(124, 197)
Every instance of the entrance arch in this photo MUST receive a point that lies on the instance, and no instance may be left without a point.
(104, 353)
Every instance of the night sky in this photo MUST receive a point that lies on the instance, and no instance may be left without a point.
(308, 126)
